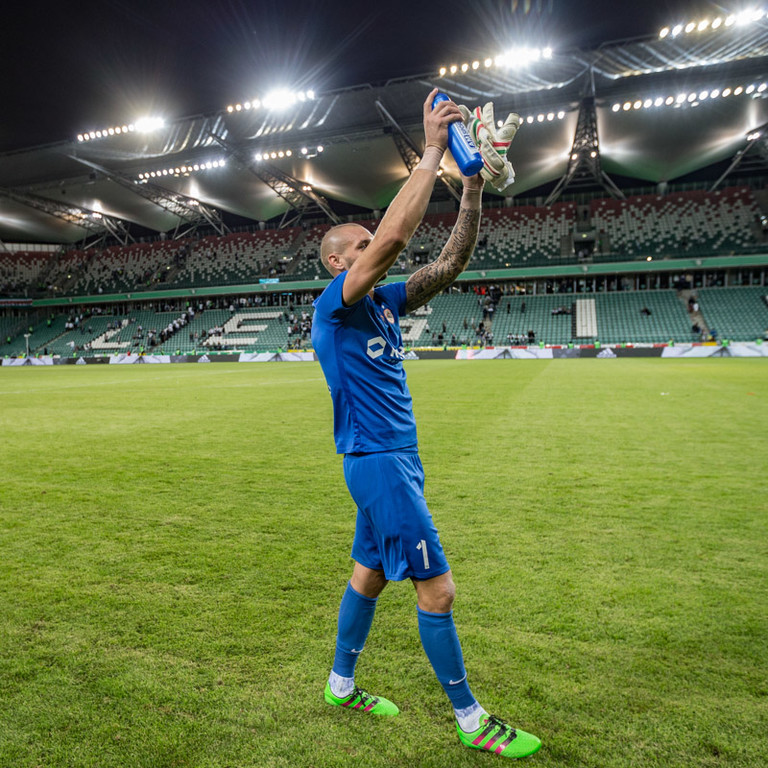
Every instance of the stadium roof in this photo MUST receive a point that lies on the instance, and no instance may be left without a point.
(667, 106)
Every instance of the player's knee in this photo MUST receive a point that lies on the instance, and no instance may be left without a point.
(438, 596)
(447, 595)
(367, 582)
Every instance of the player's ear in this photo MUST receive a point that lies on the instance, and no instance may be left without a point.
(335, 261)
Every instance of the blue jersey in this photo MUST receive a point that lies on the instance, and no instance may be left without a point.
(360, 349)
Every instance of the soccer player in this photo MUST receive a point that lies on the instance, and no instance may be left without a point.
(356, 335)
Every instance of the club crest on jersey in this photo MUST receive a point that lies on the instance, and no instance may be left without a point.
(388, 315)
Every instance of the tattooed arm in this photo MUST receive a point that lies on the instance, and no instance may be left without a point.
(453, 259)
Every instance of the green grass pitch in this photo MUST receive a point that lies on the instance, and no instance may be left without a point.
(174, 541)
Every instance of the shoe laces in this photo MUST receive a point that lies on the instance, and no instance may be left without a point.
(365, 697)
(506, 728)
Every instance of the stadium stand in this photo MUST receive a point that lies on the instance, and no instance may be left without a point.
(692, 223)
(239, 257)
(549, 317)
(739, 314)
(697, 223)
(119, 268)
(642, 317)
(450, 319)
(21, 270)
(677, 224)
(525, 236)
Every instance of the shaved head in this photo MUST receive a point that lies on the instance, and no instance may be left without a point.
(336, 240)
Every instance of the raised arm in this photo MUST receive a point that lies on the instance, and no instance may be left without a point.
(454, 257)
(406, 211)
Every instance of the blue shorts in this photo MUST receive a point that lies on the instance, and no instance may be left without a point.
(394, 530)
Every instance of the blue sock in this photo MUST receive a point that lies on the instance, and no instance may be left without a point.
(355, 618)
(441, 643)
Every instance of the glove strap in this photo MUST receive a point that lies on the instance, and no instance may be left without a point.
(430, 160)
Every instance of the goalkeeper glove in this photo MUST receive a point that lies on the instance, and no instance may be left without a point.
(493, 143)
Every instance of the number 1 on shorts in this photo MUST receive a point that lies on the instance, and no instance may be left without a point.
(422, 545)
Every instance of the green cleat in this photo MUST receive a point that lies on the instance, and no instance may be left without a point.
(362, 700)
(494, 735)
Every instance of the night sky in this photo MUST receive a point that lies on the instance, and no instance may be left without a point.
(69, 66)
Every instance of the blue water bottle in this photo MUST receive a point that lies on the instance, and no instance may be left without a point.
(463, 149)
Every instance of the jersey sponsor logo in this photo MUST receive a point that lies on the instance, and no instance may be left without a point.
(376, 347)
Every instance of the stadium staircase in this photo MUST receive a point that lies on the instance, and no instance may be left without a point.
(695, 315)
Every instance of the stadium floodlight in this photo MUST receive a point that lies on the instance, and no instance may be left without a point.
(517, 56)
(750, 89)
(182, 170)
(746, 16)
(279, 99)
(144, 125)
(149, 124)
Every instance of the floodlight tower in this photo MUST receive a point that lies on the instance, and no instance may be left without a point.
(752, 157)
(93, 222)
(302, 199)
(584, 168)
(190, 212)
